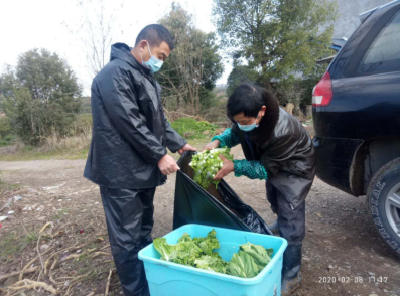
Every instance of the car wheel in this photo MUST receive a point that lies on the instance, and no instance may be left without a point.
(384, 203)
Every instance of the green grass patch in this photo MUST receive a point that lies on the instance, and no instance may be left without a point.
(12, 244)
(7, 246)
(60, 213)
(191, 129)
(7, 140)
(7, 186)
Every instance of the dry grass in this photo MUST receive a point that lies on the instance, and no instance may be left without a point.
(76, 147)
(77, 259)
(75, 143)
(71, 148)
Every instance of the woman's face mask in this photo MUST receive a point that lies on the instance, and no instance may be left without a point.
(248, 128)
(153, 63)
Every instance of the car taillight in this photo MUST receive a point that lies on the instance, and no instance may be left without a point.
(322, 92)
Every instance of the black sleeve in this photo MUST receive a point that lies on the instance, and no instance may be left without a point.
(121, 105)
(278, 152)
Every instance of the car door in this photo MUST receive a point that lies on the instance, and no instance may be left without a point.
(366, 81)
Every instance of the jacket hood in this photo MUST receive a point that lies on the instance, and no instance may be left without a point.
(123, 52)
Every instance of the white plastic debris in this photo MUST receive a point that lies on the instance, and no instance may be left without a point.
(17, 198)
(7, 204)
(2, 218)
(59, 200)
(50, 188)
(10, 212)
(43, 248)
(53, 187)
(30, 207)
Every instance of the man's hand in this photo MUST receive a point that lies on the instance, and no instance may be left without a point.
(186, 147)
(212, 145)
(227, 168)
(167, 165)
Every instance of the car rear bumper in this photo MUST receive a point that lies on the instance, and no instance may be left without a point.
(334, 160)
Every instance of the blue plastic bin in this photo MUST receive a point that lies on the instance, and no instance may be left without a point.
(170, 279)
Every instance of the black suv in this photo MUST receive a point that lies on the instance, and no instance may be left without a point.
(356, 112)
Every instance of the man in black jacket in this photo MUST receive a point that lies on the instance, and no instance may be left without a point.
(128, 156)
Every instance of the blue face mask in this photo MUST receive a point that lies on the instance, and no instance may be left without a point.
(153, 63)
(248, 128)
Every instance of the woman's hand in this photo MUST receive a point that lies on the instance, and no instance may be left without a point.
(227, 168)
(212, 145)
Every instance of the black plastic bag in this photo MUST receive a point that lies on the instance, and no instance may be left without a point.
(216, 208)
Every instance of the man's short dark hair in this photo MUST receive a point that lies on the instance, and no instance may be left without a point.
(155, 34)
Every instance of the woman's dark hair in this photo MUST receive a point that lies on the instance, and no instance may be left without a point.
(249, 99)
(155, 34)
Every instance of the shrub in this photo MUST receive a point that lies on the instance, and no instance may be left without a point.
(83, 124)
(9, 138)
(5, 126)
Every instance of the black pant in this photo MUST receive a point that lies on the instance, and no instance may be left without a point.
(291, 222)
(291, 226)
(129, 215)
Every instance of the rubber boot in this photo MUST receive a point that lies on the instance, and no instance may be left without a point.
(274, 227)
(291, 277)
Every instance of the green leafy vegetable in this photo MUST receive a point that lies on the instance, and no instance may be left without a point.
(243, 265)
(260, 255)
(209, 243)
(163, 248)
(206, 165)
(212, 263)
(199, 253)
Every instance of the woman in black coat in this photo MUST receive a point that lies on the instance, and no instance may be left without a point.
(278, 149)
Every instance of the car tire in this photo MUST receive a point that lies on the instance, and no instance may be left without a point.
(384, 203)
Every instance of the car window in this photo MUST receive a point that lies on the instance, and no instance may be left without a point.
(384, 53)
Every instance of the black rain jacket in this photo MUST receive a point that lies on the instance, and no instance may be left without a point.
(288, 156)
(130, 131)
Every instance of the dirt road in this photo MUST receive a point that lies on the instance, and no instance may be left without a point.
(343, 255)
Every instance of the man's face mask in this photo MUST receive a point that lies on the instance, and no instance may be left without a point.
(248, 128)
(153, 63)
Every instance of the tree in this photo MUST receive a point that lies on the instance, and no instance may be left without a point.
(40, 97)
(5, 127)
(94, 30)
(241, 74)
(190, 73)
(277, 37)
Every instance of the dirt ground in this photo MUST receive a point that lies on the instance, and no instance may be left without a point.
(342, 253)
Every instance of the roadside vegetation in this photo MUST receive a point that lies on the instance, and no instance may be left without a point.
(44, 114)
